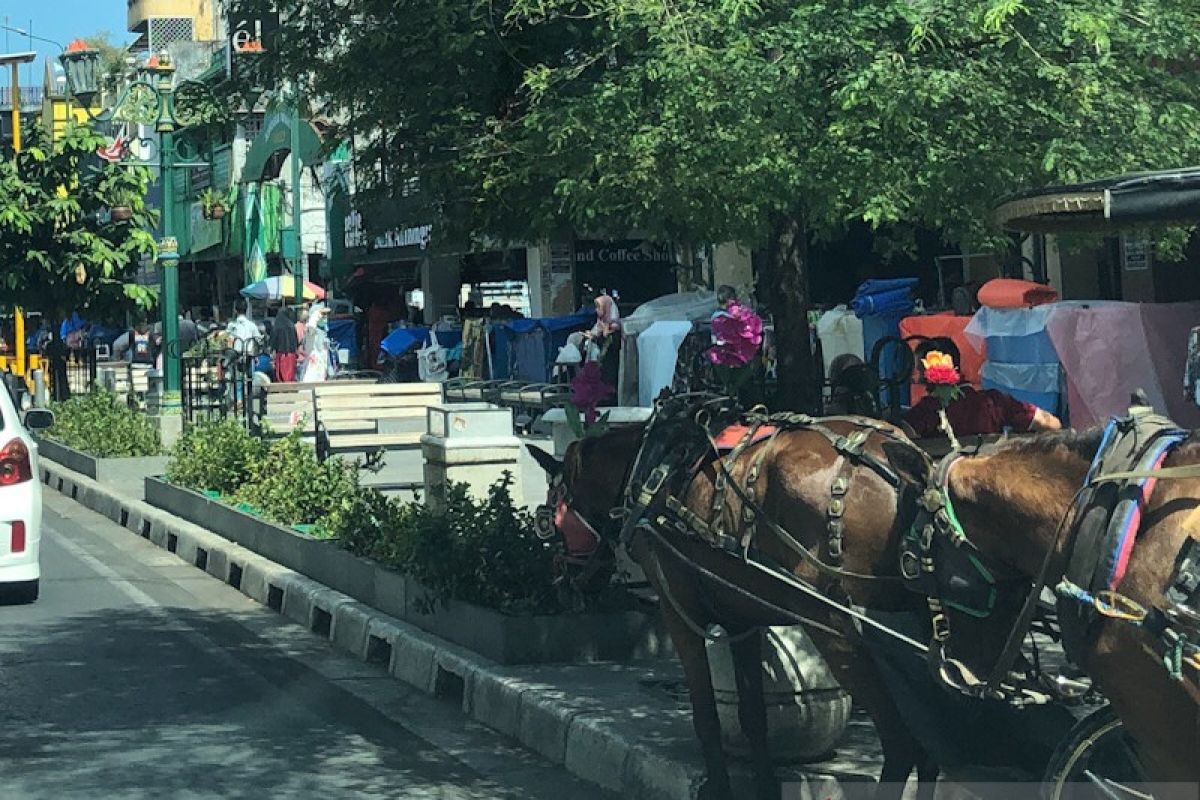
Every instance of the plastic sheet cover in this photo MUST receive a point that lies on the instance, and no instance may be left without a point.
(1109, 350)
(840, 333)
(658, 349)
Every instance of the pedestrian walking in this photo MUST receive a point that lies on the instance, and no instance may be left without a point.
(284, 346)
(316, 344)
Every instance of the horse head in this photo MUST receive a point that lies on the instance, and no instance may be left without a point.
(584, 489)
(1008, 507)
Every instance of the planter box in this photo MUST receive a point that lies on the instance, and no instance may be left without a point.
(320, 559)
(510, 639)
(121, 472)
(505, 638)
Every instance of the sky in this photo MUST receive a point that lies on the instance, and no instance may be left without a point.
(60, 20)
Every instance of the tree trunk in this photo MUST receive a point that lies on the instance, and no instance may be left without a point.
(786, 282)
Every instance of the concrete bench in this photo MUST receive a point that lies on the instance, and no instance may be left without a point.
(347, 417)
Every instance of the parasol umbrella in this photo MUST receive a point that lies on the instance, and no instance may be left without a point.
(281, 287)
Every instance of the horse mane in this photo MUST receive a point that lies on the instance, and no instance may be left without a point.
(1063, 453)
(1079, 444)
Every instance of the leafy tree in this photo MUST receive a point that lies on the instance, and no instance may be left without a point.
(769, 122)
(59, 248)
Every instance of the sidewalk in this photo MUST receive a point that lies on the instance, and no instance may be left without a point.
(625, 727)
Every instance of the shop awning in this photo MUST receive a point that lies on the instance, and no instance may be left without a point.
(1107, 205)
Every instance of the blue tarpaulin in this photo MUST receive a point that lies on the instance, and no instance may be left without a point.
(525, 349)
(402, 340)
(343, 333)
(883, 296)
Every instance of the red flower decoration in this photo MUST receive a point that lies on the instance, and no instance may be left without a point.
(588, 390)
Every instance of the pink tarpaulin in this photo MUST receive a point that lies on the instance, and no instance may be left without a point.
(1110, 349)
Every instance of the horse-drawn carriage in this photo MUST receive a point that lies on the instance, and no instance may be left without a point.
(896, 565)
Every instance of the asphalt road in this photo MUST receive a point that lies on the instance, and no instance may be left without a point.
(138, 676)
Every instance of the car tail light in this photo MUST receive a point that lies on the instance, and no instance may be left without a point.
(14, 463)
(18, 537)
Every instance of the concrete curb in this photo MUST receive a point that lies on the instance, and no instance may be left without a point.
(594, 744)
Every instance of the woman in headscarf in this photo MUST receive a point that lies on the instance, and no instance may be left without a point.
(284, 346)
(316, 344)
(608, 324)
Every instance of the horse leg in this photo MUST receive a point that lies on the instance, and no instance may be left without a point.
(858, 674)
(752, 711)
(692, 655)
(927, 775)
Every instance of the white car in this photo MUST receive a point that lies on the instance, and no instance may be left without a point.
(20, 500)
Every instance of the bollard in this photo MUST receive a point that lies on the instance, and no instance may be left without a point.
(469, 443)
(154, 392)
(39, 388)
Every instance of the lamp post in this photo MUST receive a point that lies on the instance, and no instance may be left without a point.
(149, 100)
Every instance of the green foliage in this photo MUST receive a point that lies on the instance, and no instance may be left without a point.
(211, 199)
(217, 455)
(99, 424)
(480, 551)
(63, 252)
(291, 486)
(767, 122)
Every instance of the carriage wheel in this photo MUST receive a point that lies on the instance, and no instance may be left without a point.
(1096, 760)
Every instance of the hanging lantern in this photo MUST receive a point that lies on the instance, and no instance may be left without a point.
(81, 65)
(80, 273)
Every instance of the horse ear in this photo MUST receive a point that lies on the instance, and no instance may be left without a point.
(546, 461)
(906, 459)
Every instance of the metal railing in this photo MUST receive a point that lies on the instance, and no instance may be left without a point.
(31, 97)
(218, 383)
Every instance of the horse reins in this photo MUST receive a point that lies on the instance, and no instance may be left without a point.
(688, 523)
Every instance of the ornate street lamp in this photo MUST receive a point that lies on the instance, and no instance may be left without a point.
(150, 99)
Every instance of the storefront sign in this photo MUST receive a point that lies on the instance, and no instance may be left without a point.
(356, 236)
(252, 34)
(628, 251)
(1135, 253)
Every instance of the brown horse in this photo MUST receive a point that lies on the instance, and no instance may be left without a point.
(1011, 500)
(700, 585)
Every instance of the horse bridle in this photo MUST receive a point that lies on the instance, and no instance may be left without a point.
(934, 554)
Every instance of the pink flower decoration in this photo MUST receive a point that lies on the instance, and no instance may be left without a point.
(588, 390)
(738, 333)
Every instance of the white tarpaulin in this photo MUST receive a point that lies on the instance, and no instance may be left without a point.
(679, 307)
(658, 349)
(840, 332)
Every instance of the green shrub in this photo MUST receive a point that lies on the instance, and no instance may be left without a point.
(290, 486)
(480, 551)
(101, 425)
(216, 456)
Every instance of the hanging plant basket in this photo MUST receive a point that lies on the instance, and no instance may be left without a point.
(216, 212)
(121, 213)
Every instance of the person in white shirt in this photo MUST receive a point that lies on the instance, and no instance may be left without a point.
(246, 337)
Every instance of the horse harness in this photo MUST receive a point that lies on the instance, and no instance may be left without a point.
(660, 479)
(1108, 515)
(939, 561)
